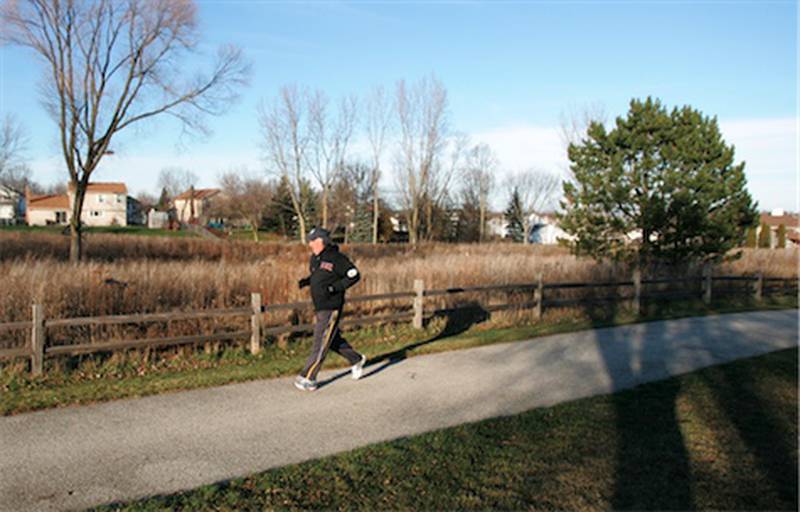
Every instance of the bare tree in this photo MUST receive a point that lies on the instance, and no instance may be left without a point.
(14, 172)
(574, 121)
(176, 180)
(537, 191)
(285, 131)
(422, 120)
(480, 168)
(245, 197)
(377, 120)
(329, 139)
(113, 63)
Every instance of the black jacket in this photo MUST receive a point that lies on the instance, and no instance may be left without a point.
(331, 274)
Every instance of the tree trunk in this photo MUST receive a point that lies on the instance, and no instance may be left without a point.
(75, 229)
(302, 222)
(75, 244)
(413, 221)
(325, 207)
(375, 216)
(482, 230)
(525, 228)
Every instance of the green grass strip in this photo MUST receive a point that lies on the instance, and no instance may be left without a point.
(724, 437)
(93, 380)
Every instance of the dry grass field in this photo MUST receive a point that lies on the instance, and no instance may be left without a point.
(131, 274)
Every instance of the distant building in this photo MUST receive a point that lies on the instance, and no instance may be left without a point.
(104, 204)
(12, 206)
(544, 228)
(135, 212)
(157, 219)
(44, 210)
(193, 206)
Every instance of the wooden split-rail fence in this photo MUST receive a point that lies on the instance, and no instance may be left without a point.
(37, 348)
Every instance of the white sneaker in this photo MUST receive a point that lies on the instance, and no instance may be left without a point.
(304, 384)
(358, 368)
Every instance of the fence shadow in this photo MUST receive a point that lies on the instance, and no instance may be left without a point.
(458, 321)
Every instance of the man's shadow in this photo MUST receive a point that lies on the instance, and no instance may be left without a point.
(458, 320)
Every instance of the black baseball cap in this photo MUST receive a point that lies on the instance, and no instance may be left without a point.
(322, 233)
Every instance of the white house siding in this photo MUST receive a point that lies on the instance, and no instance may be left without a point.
(45, 216)
(104, 209)
(8, 213)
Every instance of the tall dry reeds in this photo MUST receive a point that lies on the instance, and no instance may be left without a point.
(127, 274)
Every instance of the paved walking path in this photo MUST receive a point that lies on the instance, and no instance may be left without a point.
(82, 456)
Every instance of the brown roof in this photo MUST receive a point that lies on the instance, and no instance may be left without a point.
(199, 193)
(788, 220)
(108, 188)
(48, 202)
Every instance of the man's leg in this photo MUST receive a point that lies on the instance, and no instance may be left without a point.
(341, 347)
(324, 330)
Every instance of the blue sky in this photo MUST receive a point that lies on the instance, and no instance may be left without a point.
(511, 69)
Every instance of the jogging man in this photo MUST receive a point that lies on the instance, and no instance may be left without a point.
(331, 274)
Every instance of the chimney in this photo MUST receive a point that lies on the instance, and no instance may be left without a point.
(27, 204)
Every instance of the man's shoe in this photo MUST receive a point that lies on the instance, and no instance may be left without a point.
(304, 384)
(358, 368)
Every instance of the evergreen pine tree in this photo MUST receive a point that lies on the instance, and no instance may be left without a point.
(781, 237)
(667, 176)
(514, 216)
(751, 238)
(765, 237)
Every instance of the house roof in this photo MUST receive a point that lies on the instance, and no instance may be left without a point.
(103, 188)
(788, 220)
(51, 201)
(199, 193)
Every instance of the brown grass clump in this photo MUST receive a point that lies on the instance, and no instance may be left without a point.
(129, 274)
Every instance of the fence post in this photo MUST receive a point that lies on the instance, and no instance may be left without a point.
(419, 288)
(707, 283)
(37, 340)
(759, 288)
(255, 323)
(637, 290)
(538, 294)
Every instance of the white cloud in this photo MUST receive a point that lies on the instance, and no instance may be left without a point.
(768, 146)
(140, 171)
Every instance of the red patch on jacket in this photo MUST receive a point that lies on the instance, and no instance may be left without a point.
(326, 265)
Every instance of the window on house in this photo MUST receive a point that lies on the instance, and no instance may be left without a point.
(100, 198)
(61, 217)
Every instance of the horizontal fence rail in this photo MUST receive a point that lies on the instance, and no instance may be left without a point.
(37, 348)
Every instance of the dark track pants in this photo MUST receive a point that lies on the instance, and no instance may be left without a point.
(327, 336)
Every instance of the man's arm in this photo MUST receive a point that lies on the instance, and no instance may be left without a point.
(347, 272)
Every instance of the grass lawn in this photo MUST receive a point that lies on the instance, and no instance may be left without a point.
(123, 376)
(114, 230)
(725, 437)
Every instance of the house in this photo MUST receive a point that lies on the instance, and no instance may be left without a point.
(157, 219)
(135, 212)
(43, 210)
(544, 228)
(105, 204)
(194, 205)
(774, 220)
(12, 205)
(496, 225)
